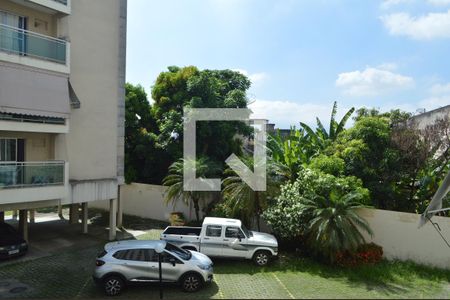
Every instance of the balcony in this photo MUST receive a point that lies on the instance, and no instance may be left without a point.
(33, 181)
(33, 49)
(48, 6)
(31, 174)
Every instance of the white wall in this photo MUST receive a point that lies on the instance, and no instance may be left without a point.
(147, 201)
(400, 237)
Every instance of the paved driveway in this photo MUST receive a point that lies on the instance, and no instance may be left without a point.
(61, 262)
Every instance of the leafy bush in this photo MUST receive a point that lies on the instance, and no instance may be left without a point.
(320, 209)
(365, 254)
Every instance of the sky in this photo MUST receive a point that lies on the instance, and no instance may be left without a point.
(301, 55)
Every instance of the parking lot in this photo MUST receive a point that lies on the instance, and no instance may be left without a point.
(65, 272)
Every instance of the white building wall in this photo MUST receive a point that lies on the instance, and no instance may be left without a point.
(95, 34)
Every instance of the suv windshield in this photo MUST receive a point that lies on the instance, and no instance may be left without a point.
(183, 254)
(246, 231)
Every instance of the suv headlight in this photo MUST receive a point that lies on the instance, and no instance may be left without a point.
(204, 267)
(23, 244)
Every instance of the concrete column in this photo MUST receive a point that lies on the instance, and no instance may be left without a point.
(23, 223)
(32, 219)
(60, 212)
(2, 216)
(119, 210)
(74, 215)
(85, 217)
(112, 219)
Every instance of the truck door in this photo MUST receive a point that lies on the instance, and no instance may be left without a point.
(235, 243)
(212, 241)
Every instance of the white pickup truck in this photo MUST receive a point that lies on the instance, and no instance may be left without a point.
(220, 237)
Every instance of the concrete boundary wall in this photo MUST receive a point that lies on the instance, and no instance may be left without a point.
(401, 239)
(147, 201)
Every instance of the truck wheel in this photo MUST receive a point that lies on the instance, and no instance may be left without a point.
(113, 285)
(262, 258)
(191, 282)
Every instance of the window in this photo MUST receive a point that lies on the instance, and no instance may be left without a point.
(234, 232)
(8, 149)
(134, 254)
(214, 231)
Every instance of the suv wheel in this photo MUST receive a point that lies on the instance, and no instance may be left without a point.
(191, 282)
(113, 285)
(261, 258)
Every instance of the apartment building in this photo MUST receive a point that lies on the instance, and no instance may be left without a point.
(62, 104)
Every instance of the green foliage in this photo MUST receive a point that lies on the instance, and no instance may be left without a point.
(180, 88)
(367, 153)
(241, 200)
(287, 215)
(335, 224)
(320, 138)
(144, 159)
(175, 181)
(328, 164)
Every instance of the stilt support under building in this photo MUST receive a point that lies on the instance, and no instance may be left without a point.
(112, 219)
(85, 217)
(23, 223)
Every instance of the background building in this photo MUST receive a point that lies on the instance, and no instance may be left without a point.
(62, 104)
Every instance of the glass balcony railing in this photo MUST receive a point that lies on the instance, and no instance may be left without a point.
(31, 174)
(27, 43)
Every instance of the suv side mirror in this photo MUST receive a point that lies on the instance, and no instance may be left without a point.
(173, 261)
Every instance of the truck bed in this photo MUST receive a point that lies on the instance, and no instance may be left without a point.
(181, 234)
(182, 230)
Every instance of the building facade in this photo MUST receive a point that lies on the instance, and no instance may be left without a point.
(62, 104)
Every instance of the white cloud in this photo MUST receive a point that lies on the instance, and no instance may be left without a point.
(287, 113)
(386, 4)
(439, 2)
(439, 89)
(439, 97)
(372, 81)
(255, 78)
(426, 27)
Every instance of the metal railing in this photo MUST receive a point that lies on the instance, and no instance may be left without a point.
(32, 44)
(31, 119)
(31, 174)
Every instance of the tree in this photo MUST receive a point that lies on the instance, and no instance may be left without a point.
(144, 159)
(288, 153)
(335, 224)
(321, 138)
(243, 199)
(424, 158)
(179, 88)
(175, 181)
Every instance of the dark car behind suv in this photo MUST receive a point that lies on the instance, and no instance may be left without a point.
(11, 242)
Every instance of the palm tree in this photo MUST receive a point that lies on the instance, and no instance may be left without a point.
(244, 200)
(174, 181)
(321, 137)
(335, 225)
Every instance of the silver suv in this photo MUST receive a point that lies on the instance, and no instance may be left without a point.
(126, 262)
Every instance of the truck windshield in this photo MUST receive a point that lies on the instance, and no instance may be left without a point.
(183, 254)
(247, 232)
